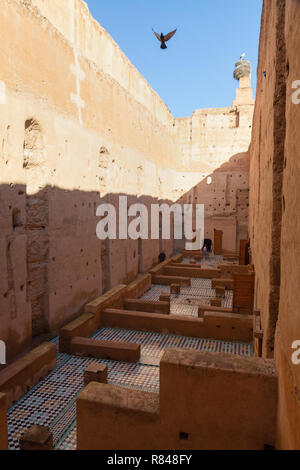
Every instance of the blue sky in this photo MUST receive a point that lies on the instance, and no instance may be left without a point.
(196, 69)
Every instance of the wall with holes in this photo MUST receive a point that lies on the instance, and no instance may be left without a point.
(78, 126)
(225, 195)
(211, 137)
(81, 126)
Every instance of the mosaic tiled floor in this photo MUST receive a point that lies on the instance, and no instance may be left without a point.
(52, 402)
(185, 304)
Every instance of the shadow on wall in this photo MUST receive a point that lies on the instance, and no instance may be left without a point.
(53, 263)
(225, 194)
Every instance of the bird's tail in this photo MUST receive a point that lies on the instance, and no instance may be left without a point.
(163, 46)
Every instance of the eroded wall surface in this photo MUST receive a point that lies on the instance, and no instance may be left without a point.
(79, 125)
(275, 204)
(225, 195)
(214, 165)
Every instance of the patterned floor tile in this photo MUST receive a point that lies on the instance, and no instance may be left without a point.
(52, 402)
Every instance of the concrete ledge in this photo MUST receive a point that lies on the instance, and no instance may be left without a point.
(231, 405)
(124, 352)
(88, 323)
(168, 280)
(227, 327)
(147, 306)
(185, 326)
(112, 298)
(240, 396)
(83, 326)
(159, 268)
(208, 308)
(231, 326)
(137, 288)
(3, 422)
(243, 293)
(192, 254)
(191, 271)
(185, 265)
(227, 283)
(18, 378)
(228, 270)
(234, 257)
(177, 258)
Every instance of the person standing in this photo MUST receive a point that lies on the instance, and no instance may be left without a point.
(204, 252)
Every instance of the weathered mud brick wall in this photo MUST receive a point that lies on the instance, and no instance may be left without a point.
(77, 123)
(275, 204)
(3, 423)
(214, 147)
(225, 195)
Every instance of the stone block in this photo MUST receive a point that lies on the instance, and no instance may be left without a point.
(175, 289)
(37, 438)
(165, 297)
(95, 373)
(220, 292)
(216, 302)
(87, 347)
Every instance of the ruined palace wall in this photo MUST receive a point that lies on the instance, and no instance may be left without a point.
(225, 194)
(73, 19)
(289, 310)
(261, 175)
(214, 165)
(214, 168)
(70, 131)
(211, 136)
(275, 204)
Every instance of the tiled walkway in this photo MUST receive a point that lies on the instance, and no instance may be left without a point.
(52, 402)
(199, 293)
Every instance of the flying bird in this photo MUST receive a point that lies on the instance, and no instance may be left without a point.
(164, 38)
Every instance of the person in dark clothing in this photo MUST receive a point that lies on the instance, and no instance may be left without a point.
(162, 257)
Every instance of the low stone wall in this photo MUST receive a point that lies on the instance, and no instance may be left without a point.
(84, 326)
(231, 405)
(3, 422)
(214, 325)
(139, 287)
(243, 293)
(228, 270)
(150, 306)
(192, 253)
(159, 268)
(163, 280)
(177, 258)
(124, 352)
(18, 378)
(227, 283)
(202, 309)
(112, 298)
(88, 323)
(188, 271)
(288, 431)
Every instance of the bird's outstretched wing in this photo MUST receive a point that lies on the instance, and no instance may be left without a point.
(157, 35)
(170, 35)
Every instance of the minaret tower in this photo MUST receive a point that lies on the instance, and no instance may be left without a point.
(242, 72)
